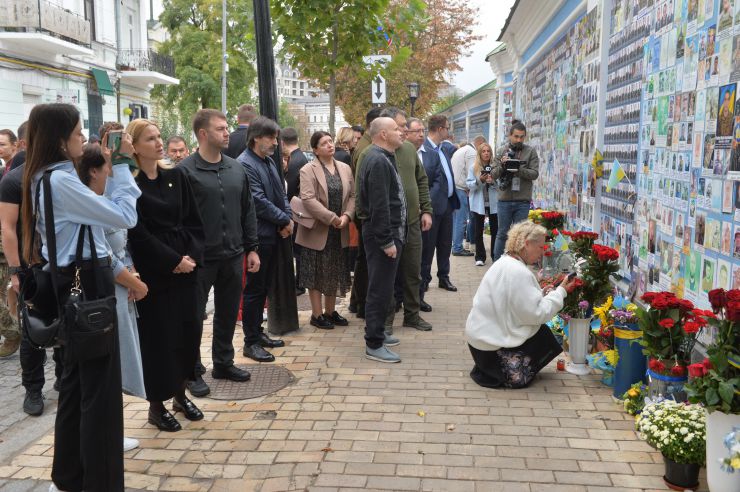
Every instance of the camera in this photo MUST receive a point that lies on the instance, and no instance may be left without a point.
(488, 169)
(511, 154)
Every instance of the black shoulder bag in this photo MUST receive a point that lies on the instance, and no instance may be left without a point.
(41, 313)
(91, 324)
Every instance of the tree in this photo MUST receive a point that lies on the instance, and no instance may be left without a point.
(285, 117)
(441, 36)
(195, 45)
(324, 37)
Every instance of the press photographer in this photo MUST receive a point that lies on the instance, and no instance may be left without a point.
(515, 167)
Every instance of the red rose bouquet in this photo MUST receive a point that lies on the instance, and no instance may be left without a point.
(670, 328)
(601, 263)
(715, 382)
(581, 243)
(552, 220)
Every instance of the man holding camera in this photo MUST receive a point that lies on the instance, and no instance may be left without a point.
(515, 166)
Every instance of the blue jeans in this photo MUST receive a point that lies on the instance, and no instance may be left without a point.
(509, 213)
(460, 220)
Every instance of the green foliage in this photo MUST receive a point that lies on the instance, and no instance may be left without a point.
(285, 117)
(195, 45)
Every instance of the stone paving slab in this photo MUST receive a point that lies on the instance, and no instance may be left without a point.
(349, 423)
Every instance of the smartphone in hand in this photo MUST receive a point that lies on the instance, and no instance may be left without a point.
(114, 140)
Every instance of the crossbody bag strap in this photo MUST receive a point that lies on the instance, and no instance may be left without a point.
(93, 258)
(51, 237)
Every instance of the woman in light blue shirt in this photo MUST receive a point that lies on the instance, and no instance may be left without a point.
(89, 425)
(483, 200)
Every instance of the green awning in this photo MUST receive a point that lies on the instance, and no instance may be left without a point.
(103, 82)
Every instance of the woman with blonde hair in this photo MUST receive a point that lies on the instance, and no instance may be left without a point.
(343, 143)
(166, 246)
(483, 200)
(505, 329)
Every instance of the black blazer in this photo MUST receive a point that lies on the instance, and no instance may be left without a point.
(438, 186)
(237, 142)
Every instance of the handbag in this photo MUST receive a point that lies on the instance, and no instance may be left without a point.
(300, 215)
(91, 324)
(40, 313)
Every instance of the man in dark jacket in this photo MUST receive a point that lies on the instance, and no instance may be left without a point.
(273, 224)
(297, 159)
(225, 202)
(238, 138)
(382, 208)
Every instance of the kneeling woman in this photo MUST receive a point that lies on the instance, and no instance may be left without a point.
(166, 245)
(505, 331)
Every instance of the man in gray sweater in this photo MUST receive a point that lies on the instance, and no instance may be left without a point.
(515, 185)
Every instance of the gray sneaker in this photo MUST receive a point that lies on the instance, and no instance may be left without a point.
(390, 341)
(382, 354)
(419, 324)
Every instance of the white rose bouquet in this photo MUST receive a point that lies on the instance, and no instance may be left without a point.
(678, 430)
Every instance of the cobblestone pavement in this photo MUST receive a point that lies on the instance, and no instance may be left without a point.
(348, 423)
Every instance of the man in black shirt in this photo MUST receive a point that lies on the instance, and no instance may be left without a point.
(32, 360)
(382, 208)
(289, 139)
(238, 138)
(20, 156)
(222, 192)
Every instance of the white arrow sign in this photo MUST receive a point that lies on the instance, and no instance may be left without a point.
(378, 90)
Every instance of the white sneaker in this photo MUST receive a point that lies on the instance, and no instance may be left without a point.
(53, 488)
(130, 443)
(479, 262)
(264, 315)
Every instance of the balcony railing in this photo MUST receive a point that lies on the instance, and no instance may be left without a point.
(43, 16)
(146, 60)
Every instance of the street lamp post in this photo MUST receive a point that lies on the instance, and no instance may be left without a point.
(413, 94)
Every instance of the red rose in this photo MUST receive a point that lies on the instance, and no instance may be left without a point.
(656, 366)
(685, 305)
(666, 323)
(718, 299)
(691, 327)
(659, 303)
(648, 297)
(707, 365)
(678, 370)
(548, 253)
(567, 233)
(732, 312)
(696, 370)
(555, 232)
(733, 295)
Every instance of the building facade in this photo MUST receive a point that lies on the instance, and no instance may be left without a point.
(94, 54)
(475, 114)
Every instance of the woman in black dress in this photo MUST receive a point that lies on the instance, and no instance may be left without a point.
(166, 246)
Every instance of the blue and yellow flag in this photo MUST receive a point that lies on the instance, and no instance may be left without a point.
(560, 243)
(615, 176)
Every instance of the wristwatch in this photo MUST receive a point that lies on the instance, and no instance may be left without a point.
(14, 270)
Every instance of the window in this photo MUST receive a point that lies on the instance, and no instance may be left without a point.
(303, 85)
(90, 16)
(295, 84)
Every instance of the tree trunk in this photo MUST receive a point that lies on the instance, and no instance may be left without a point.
(333, 75)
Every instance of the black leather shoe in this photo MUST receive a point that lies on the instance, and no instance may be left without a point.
(164, 421)
(352, 308)
(444, 283)
(299, 291)
(198, 387)
(464, 252)
(337, 319)
(57, 385)
(232, 373)
(322, 322)
(268, 342)
(256, 352)
(361, 312)
(188, 408)
(424, 306)
(33, 403)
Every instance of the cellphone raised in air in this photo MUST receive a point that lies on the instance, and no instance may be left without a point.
(114, 139)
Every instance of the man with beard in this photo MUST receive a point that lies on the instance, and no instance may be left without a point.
(515, 185)
(224, 199)
(273, 224)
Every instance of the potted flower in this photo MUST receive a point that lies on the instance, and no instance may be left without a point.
(669, 330)
(715, 383)
(631, 364)
(577, 313)
(678, 431)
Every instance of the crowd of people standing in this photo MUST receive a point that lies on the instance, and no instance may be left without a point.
(158, 226)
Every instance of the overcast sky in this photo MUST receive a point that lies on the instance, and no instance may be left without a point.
(475, 70)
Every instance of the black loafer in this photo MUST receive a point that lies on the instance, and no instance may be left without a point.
(164, 421)
(322, 322)
(423, 306)
(188, 408)
(337, 319)
(232, 373)
(268, 342)
(444, 283)
(256, 352)
(198, 387)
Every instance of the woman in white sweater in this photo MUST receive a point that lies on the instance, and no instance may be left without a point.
(505, 331)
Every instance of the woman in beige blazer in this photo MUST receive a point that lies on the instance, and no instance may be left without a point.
(328, 195)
